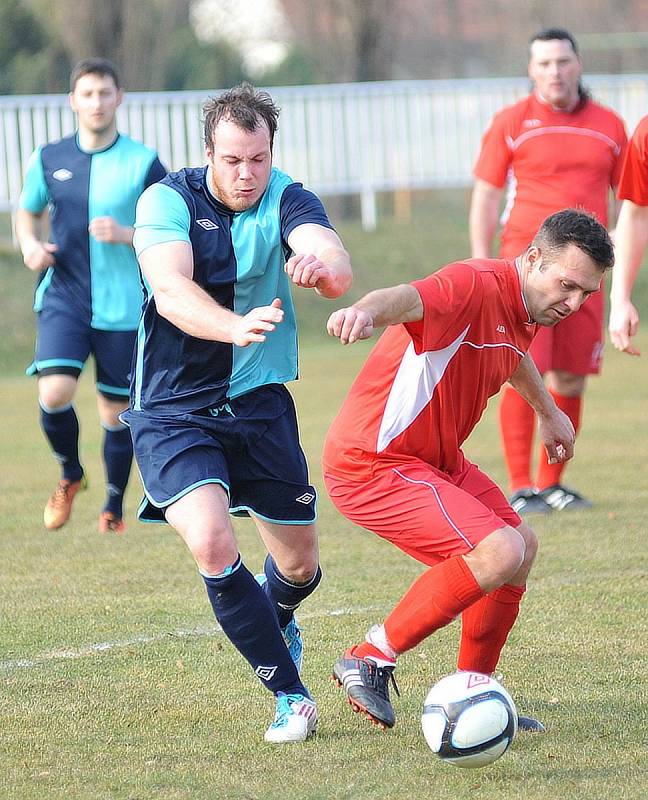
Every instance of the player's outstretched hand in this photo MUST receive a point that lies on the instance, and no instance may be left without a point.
(107, 229)
(256, 323)
(308, 271)
(39, 255)
(558, 436)
(624, 324)
(350, 324)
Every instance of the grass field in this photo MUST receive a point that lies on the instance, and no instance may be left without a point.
(117, 684)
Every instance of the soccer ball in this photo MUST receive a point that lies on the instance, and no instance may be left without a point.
(469, 720)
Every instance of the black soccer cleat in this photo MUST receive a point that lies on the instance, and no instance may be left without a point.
(560, 498)
(367, 688)
(530, 725)
(528, 501)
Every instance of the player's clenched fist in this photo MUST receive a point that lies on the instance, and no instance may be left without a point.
(256, 323)
(350, 324)
(39, 255)
(308, 271)
(107, 229)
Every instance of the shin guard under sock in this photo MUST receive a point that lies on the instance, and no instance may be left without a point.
(438, 596)
(61, 428)
(248, 620)
(485, 626)
(283, 593)
(118, 458)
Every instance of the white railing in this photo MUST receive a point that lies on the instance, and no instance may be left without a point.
(338, 139)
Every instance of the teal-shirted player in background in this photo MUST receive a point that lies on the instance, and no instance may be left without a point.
(89, 295)
(214, 427)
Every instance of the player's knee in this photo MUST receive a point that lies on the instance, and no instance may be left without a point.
(500, 557)
(530, 543)
(54, 392)
(212, 546)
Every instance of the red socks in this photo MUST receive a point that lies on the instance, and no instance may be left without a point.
(438, 596)
(550, 474)
(517, 427)
(485, 627)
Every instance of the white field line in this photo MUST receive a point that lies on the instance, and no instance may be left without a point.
(191, 633)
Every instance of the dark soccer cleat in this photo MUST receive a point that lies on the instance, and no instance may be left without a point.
(528, 501)
(560, 498)
(530, 725)
(367, 687)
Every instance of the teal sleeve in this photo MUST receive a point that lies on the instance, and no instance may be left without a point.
(34, 196)
(161, 216)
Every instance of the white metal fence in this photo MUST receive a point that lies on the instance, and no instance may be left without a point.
(337, 139)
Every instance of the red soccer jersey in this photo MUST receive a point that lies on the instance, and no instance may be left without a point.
(633, 183)
(426, 384)
(553, 160)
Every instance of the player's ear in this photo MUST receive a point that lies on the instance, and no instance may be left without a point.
(534, 257)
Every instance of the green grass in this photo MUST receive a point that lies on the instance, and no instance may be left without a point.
(165, 709)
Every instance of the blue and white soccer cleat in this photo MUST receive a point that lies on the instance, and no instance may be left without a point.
(295, 719)
(291, 633)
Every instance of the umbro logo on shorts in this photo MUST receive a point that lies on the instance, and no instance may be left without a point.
(207, 224)
(305, 498)
(265, 673)
(62, 174)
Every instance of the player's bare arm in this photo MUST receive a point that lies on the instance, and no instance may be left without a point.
(555, 427)
(376, 310)
(630, 245)
(320, 261)
(37, 255)
(107, 229)
(483, 217)
(168, 268)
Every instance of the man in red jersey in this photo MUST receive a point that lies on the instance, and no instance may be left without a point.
(393, 461)
(631, 240)
(555, 148)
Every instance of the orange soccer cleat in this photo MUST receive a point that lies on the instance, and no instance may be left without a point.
(108, 523)
(58, 507)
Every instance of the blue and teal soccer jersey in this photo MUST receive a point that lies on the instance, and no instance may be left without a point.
(239, 261)
(99, 281)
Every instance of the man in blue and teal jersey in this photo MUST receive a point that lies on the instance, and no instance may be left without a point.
(89, 294)
(214, 428)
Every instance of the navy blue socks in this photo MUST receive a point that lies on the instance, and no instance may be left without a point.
(249, 621)
(284, 595)
(118, 458)
(61, 427)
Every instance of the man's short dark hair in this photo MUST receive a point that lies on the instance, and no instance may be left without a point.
(245, 106)
(94, 66)
(571, 226)
(549, 34)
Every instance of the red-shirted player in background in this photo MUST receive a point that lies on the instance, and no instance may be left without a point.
(555, 148)
(393, 461)
(631, 240)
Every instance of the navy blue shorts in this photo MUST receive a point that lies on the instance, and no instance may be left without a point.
(249, 445)
(64, 340)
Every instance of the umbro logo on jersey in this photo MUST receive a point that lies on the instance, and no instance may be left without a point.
(501, 329)
(62, 174)
(207, 224)
(305, 498)
(531, 123)
(265, 673)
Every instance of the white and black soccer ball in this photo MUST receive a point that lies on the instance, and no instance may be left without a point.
(469, 719)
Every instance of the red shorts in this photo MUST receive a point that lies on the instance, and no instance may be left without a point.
(428, 514)
(575, 344)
